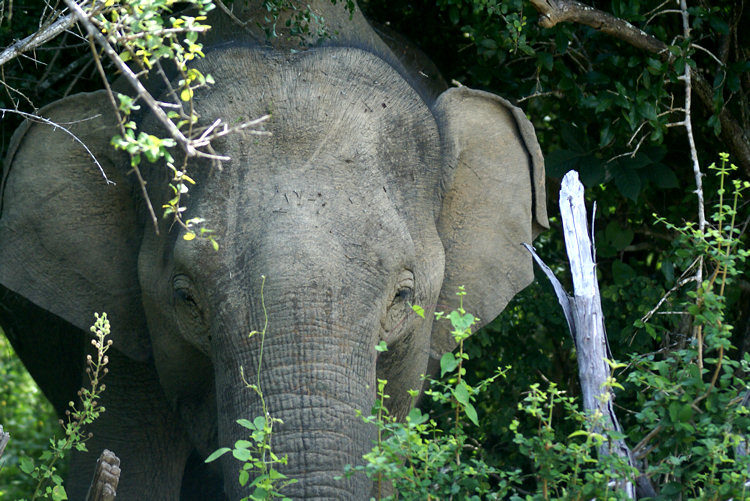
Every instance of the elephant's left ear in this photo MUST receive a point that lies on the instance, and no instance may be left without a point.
(494, 200)
(70, 239)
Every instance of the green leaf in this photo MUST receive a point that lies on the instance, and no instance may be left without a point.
(662, 176)
(246, 424)
(58, 493)
(461, 394)
(471, 413)
(559, 162)
(381, 346)
(260, 422)
(217, 454)
(26, 464)
(448, 363)
(242, 454)
(244, 477)
(461, 322)
(618, 236)
(416, 416)
(591, 170)
(418, 310)
(628, 183)
(275, 475)
(259, 494)
(578, 433)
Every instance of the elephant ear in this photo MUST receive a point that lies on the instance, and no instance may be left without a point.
(69, 238)
(494, 200)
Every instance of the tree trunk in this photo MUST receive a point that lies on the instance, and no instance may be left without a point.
(583, 313)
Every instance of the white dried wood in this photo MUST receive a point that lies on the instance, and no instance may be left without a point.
(583, 312)
(106, 477)
(4, 439)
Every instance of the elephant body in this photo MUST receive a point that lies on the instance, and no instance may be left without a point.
(368, 196)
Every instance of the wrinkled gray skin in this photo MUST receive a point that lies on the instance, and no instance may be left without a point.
(367, 198)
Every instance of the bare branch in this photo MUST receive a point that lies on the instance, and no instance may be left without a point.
(710, 54)
(116, 110)
(36, 39)
(212, 133)
(37, 118)
(161, 33)
(691, 139)
(553, 12)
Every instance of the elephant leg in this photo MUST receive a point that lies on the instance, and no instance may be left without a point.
(141, 429)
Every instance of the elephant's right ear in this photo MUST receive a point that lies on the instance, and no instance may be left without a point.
(494, 200)
(69, 239)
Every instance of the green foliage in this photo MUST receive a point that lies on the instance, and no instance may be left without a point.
(256, 454)
(419, 460)
(48, 483)
(687, 406)
(28, 416)
(302, 21)
(566, 467)
(693, 397)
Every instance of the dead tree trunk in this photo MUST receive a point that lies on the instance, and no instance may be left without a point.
(583, 313)
(106, 477)
(4, 439)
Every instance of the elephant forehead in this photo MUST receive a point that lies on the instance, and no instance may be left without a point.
(351, 169)
(327, 106)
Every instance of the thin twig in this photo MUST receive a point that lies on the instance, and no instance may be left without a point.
(34, 40)
(37, 118)
(210, 133)
(711, 54)
(678, 285)
(555, 93)
(552, 12)
(160, 33)
(116, 110)
(696, 166)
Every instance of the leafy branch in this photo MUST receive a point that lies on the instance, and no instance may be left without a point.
(138, 36)
(49, 483)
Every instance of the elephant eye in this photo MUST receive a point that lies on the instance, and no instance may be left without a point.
(404, 294)
(184, 294)
(405, 288)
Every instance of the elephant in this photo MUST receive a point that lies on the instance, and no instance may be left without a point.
(372, 193)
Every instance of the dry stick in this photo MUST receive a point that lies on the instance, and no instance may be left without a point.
(106, 478)
(585, 320)
(136, 170)
(553, 12)
(34, 40)
(687, 78)
(37, 118)
(4, 439)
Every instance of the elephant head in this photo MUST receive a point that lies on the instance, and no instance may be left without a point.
(365, 199)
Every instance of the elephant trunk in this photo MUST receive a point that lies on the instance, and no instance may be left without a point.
(314, 381)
